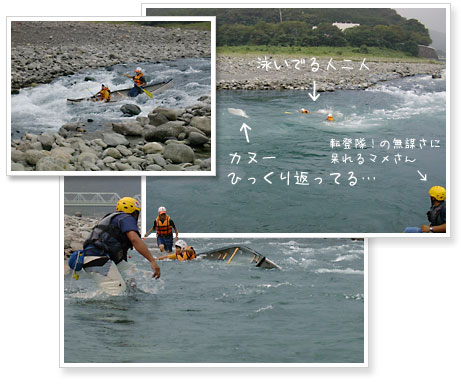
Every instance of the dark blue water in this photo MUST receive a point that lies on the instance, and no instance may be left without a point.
(311, 311)
(384, 194)
(44, 108)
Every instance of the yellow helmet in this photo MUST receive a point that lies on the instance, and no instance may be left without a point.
(128, 205)
(438, 193)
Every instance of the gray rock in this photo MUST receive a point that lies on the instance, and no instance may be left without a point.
(156, 119)
(100, 143)
(153, 167)
(196, 139)
(17, 167)
(108, 160)
(51, 164)
(206, 164)
(124, 150)
(164, 131)
(179, 153)
(143, 120)
(128, 128)
(17, 156)
(130, 109)
(113, 152)
(47, 140)
(153, 147)
(157, 159)
(170, 114)
(173, 167)
(203, 123)
(123, 167)
(87, 157)
(32, 156)
(114, 139)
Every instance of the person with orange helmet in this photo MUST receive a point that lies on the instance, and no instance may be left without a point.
(436, 214)
(105, 251)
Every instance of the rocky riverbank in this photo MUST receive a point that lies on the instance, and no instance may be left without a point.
(244, 72)
(45, 50)
(165, 140)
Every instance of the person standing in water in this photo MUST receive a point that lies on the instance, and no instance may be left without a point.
(436, 214)
(164, 225)
(105, 250)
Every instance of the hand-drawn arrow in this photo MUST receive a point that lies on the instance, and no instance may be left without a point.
(315, 95)
(423, 177)
(246, 128)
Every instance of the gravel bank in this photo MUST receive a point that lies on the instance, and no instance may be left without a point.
(44, 50)
(249, 73)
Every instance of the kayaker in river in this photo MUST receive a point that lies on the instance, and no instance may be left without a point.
(183, 252)
(103, 94)
(330, 117)
(139, 81)
(164, 226)
(436, 214)
(105, 251)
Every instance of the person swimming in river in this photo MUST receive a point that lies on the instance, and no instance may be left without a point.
(330, 117)
(183, 252)
(139, 82)
(103, 94)
(303, 110)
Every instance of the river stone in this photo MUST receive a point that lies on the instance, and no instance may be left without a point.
(154, 167)
(130, 109)
(124, 150)
(203, 123)
(128, 128)
(52, 164)
(113, 152)
(179, 153)
(157, 159)
(17, 156)
(17, 167)
(47, 140)
(152, 148)
(87, 157)
(65, 153)
(173, 167)
(109, 159)
(32, 156)
(101, 143)
(164, 131)
(114, 139)
(196, 139)
(206, 163)
(123, 167)
(170, 114)
(143, 120)
(156, 119)
(135, 160)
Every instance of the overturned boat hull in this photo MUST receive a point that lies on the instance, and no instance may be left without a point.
(239, 254)
(121, 94)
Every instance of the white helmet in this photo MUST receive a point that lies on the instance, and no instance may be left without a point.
(181, 244)
(330, 115)
(139, 69)
(161, 210)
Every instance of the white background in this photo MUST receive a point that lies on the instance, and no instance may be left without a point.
(414, 284)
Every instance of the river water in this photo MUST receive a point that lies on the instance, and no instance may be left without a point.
(44, 108)
(203, 311)
(386, 140)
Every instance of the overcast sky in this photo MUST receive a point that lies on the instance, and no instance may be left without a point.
(432, 18)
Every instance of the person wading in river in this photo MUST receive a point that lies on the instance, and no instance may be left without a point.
(104, 254)
(139, 82)
(163, 225)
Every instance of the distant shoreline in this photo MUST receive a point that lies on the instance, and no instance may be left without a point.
(42, 51)
(288, 72)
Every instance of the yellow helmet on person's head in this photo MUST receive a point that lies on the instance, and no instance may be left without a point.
(128, 205)
(437, 192)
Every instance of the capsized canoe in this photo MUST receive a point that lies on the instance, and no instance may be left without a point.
(121, 94)
(239, 254)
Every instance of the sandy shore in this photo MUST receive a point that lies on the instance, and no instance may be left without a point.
(44, 50)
